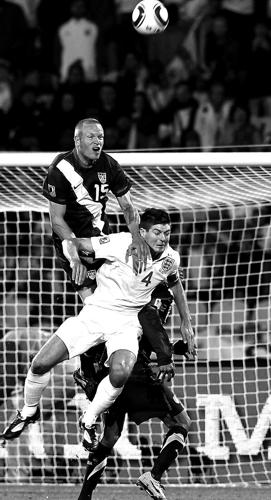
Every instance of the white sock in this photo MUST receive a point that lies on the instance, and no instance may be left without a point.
(33, 388)
(105, 396)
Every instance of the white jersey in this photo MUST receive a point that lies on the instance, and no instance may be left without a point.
(118, 288)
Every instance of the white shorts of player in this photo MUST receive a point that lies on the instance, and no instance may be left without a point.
(94, 325)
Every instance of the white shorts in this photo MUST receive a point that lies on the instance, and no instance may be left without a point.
(95, 325)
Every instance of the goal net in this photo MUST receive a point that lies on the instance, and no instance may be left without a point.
(220, 210)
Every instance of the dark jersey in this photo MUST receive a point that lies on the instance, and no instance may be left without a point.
(84, 190)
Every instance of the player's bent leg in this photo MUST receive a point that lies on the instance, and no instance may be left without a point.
(54, 351)
(96, 463)
(121, 364)
(37, 379)
(173, 443)
(95, 466)
(105, 396)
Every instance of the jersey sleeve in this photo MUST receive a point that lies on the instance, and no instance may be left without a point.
(111, 247)
(56, 188)
(120, 184)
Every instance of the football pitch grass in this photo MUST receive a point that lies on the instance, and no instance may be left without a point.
(113, 492)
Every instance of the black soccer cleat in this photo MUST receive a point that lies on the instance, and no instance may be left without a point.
(90, 439)
(18, 425)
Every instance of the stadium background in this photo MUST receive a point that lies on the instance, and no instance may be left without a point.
(209, 92)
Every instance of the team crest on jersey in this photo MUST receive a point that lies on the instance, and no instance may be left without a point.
(104, 239)
(167, 265)
(102, 177)
(52, 190)
(91, 274)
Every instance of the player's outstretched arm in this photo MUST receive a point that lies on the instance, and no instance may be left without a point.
(138, 249)
(187, 332)
(71, 248)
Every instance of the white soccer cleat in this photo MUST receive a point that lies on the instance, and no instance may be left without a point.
(147, 483)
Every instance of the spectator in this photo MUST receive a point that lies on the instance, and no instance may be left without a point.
(197, 14)
(77, 39)
(178, 116)
(6, 103)
(190, 140)
(108, 108)
(130, 78)
(64, 116)
(124, 124)
(239, 130)
(104, 14)
(181, 67)
(25, 116)
(239, 15)
(143, 131)
(13, 35)
(157, 87)
(259, 80)
(212, 115)
(29, 8)
(84, 92)
(111, 137)
(125, 31)
(48, 23)
(164, 48)
(222, 55)
(185, 108)
(27, 141)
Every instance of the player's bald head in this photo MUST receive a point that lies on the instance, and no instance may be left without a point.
(79, 127)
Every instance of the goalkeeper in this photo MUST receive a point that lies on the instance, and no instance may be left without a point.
(145, 396)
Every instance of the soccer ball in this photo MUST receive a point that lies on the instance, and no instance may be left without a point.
(150, 17)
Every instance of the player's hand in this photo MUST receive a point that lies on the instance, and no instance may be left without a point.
(191, 356)
(187, 335)
(166, 372)
(79, 272)
(180, 347)
(140, 252)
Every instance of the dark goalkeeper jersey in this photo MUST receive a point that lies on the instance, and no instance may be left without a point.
(84, 191)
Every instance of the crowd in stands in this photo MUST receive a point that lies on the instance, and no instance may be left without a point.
(202, 84)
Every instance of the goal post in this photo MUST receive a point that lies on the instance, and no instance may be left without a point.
(220, 208)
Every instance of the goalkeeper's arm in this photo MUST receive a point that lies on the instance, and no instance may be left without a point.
(187, 333)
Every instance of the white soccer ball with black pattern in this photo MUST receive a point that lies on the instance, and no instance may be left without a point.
(150, 17)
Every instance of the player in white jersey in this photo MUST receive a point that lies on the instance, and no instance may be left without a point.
(110, 315)
(119, 289)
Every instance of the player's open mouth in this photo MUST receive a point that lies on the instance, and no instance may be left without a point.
(96, 149)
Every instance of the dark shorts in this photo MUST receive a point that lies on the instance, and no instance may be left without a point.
(143, 401)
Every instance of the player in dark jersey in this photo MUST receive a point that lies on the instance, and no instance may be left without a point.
(77, 185)
(145, 396)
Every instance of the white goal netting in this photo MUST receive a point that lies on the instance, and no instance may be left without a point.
(220, 207)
